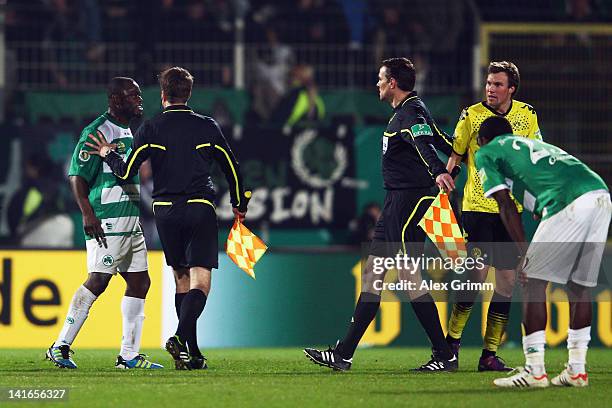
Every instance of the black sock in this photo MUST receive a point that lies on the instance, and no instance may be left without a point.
(191, 308)
(192, 342)
(427, 313)
(365, 312)
(178, 299)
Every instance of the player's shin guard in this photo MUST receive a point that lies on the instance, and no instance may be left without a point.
(533, 348)
(132, 309)
(365, 311)
(577, 346)
(77, 313)
(497, 319)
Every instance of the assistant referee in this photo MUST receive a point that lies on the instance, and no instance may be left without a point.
(412, 176)
(182, 146)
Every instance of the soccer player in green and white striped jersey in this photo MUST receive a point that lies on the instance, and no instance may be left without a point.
(574, 205)
(114, 239)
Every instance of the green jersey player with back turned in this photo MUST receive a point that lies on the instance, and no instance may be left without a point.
(114, 240)
(574, 205)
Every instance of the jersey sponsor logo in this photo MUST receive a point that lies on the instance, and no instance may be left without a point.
(421, 130)
(84, 155)
(108, 260)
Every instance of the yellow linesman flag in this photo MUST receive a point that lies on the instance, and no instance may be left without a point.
(244, 248)
(440, 225)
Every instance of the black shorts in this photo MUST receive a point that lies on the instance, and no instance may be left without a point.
(487, 237)
(397, 228)
(188, 232)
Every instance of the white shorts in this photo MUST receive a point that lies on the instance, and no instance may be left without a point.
(569, 245)
(124, 254)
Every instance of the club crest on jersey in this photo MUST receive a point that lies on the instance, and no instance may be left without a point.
(385, 144)
(84, 155)
(421, 130)
(107, 260)
(120, 147)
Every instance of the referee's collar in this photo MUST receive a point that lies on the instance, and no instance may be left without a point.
(177, 108)
(411, 95)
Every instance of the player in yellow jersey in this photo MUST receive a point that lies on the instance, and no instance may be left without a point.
(482, 224)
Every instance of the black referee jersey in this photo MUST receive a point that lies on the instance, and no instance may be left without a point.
(182, 146)
(409, 159)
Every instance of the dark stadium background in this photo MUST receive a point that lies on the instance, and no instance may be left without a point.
(313, 176)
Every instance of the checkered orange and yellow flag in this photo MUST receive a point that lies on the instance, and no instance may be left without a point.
(440, 224)
(244, 248)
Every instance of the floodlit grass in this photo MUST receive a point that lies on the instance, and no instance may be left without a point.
(285, 378)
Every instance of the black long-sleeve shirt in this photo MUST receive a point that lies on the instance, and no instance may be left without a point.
(409, 159)
(182, 146)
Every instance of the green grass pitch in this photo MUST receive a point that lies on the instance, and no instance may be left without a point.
(285, 378)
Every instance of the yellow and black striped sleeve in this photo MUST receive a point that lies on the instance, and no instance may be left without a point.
(139, 153)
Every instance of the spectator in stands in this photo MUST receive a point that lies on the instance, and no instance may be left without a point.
(271, 67)
(319, 28)
(23, 20)
(303, 102)
(428, 30)
(72, 38)
(355, 13)
(362, 228)
(35, 211)
(269, 60)
(391, 35)
(119, 18)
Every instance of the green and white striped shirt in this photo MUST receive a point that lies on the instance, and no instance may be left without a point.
(115, 202)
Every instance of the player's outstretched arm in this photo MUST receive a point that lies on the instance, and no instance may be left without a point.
(122, 169)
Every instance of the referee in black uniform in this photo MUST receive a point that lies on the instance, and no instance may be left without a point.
(410, 166)
(182, 146)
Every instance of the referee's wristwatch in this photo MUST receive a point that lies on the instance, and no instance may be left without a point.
(105, 151)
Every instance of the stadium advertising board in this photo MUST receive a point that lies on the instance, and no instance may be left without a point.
(36, 288)
(297, 299)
